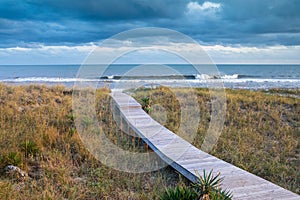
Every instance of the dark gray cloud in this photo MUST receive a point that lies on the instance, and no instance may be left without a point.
(252, 22)
(267, 16)
(91, 9)
(73, 22)
(116, 9)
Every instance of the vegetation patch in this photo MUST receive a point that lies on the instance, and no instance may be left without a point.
(38, 135)
(207, 187)
(261, 133)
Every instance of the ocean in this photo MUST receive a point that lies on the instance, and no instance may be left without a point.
(233, 76)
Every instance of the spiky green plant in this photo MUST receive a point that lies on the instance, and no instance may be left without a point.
(208, 187)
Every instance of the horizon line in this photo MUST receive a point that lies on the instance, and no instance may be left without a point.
(151, 64)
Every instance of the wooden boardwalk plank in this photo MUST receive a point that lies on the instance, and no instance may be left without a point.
(188, 160)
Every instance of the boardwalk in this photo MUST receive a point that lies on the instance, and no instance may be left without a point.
(187, 159)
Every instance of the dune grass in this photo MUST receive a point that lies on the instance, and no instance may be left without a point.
(37, 134)
(261, 133)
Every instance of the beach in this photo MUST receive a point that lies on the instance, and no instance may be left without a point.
(143, 100)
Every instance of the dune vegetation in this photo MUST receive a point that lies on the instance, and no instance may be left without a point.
(261, 133)
(38, 135)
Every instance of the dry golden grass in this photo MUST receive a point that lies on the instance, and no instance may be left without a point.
(261, 132)
(37, 134)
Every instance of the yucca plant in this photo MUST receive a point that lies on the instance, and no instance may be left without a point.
(208, 187)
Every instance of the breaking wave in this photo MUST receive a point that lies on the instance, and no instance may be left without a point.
(229, 81)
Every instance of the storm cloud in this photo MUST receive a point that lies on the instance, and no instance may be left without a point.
(231, 30)
(73, 22)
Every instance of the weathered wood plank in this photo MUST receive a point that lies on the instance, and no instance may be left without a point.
(188, 160)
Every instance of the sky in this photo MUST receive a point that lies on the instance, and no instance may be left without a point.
(230, 31)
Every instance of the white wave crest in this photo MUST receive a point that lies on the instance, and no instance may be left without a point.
(206, 76)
